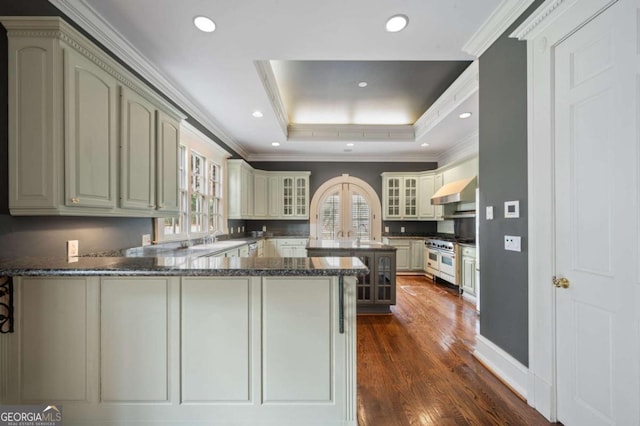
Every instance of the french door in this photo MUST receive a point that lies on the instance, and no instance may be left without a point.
(344, 213)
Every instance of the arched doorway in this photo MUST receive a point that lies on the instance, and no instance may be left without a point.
(346, 208)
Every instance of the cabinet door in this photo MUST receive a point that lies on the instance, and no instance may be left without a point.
(246, 200)
(403, 256)
(364, 284)
(287, 196)
(410, 197)
(90, 134)
(137, 152)
(260, 198)
(469, 275)
(425, 209)
(168, 146)
(385, 279)
(275, 202)
(301, 198)
(417, 254)
(437, 184)
(392, 197)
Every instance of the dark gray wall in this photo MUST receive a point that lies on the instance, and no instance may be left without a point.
(367, 171)
(503, 177)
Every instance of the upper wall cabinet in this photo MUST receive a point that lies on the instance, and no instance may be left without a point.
(259, 194)
(86, 137)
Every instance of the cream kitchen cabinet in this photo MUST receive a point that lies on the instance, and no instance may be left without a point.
(65, 132)
(167, 167)
(400, 196)
(417, 255)
(292, 247)
(468, 271)
(409, 254)
(259, 194)
(428, 184)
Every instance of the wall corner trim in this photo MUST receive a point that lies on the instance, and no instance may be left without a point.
(503, 365)
(501, 19)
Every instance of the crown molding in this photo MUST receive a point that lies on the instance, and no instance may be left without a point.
(540, 19)
(351, 132)
(90, 21)
(354, 157)
(268, 79)
(499, 21)
(189, 128)
(466, 148)
(460, 90)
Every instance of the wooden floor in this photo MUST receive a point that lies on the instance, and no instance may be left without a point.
(415, 366)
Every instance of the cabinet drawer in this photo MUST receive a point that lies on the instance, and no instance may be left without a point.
(469, 251)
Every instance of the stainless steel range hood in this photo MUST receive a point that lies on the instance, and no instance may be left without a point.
(462, 190)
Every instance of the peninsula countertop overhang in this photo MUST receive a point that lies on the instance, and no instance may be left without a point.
(182, 266)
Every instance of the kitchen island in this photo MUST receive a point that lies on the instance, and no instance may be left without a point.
(183, 339)
(375, 290)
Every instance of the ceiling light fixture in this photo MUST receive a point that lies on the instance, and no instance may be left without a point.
(257, 114)
(424, 144)
(275, 143)
(204, 24)
(465, 115)
(397, 23)
(363, 84)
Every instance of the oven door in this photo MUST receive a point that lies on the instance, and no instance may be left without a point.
(447, 264)
(433, 262)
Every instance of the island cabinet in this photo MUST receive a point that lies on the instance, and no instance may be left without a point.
(375, 290)
(86, 137)
(216, 350)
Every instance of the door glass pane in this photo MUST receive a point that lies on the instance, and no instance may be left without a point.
(330, 212)
(360, 217)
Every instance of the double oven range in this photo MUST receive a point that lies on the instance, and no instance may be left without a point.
(441, 259)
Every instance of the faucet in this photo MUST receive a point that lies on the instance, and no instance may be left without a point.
(213, 236)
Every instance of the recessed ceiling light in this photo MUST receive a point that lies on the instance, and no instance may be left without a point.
(350, 144)
(275, 143)
(465, 115)
(204, 24)
(257, 114)
(424, 144)
(363, 84)
(397, 23)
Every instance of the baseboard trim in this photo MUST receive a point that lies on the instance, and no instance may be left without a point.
(506, 368)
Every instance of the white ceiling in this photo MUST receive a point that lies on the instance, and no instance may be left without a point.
(217, 71)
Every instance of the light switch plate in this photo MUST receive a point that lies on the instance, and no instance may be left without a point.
(489, 212)
(146, 239)
(72, 248)
(512, 243)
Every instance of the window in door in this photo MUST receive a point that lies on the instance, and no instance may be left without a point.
(345, 208)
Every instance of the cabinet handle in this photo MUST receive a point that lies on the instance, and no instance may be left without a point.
(75, 200)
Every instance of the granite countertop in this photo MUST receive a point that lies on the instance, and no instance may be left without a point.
(348, 245)
(182, 266)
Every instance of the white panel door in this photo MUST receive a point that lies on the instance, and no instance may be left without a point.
(299, 346)
(135, 340)
(215, 344)
(596, 168)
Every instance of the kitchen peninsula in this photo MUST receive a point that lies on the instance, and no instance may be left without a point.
(183, 339)
(376, 290)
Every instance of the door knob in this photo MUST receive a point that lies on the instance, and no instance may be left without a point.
(561, 282)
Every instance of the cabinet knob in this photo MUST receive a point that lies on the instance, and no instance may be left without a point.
(75, 200)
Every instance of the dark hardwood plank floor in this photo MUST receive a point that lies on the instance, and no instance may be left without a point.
(415, 366)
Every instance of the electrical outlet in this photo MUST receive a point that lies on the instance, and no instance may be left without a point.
(231, 230)
(511, 243)
(146, 239)
(243, 229)
(72, 248)
(264, 228)
(402, 229)
(386, 229)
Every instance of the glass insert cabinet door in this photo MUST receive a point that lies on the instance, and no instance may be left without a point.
(393, 197)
